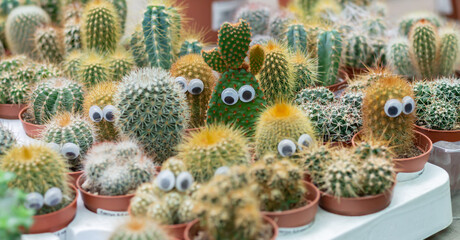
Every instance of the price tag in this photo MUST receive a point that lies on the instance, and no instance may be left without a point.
(290, 231)
(61, 234)
(111, 213)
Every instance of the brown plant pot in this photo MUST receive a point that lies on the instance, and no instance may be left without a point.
(440, 135)
(193, 227)
(74, 177)
(413, 164)
(338, 86)
(32, 130)
(307, 177)
(350, 72)
(357, 206)
(11, 111)
(300, 216)
(55, 221)
(110, 203)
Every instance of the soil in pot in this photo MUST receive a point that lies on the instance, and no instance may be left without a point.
(11, 111)
(32, 130)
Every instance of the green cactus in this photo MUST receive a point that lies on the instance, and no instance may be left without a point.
(329, 50)
(7, 6)
(122, 10)
(190, 46)
(377, 176)
(448, 89)
(256, 59)
(153, 111)
(53, 8)
(11, 64)
(100, 29)
(94, 69)
(305, 71)
(424, 40)
(357, 2)
(399, 57)
(375, 27)
(21, 25)
(72, 35)
(448, 51)
(307, 6)
(212, 147)
(257, 16)
(120, 64)
(72, 11)
(315, 159)
(373, 148)
(321, 95)
(357, 50)
(341, 177)
(18, 92)
(279, 24)
(7, 140)
(72, 64)
(139, 228)
(49, 44)
(408, 21)
(296, 36)
(441, 116)
(137, 45)
(54, 95)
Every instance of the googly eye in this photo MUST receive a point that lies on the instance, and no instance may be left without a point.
(408, 105)
(304, 141)
(195, 87)
(70, 150)
(109, 113)
(182, 82)
(53, 197)
(96, 114)
(286, 148)
(229, 96)
(165, 180)
(54, 146)
(184, 181)
(393, 108)
(246, 93)
(34, 201)
(222, 170)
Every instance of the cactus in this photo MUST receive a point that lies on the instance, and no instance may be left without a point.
(305, 71)
(256, 58)
(114, 169)
(19, 92)
(357, 50)
(101, 96)
(53, 8)
(388, 112)
(94, 69)
(307, 6)
(256, 15)
(120, 64)
(283, 128)
(72, 11)
(321, 95)
(21, 25)
(190, 46)
(11, 64)
(296, 36)
(198, 81)
(100, 26)
(213, 147)
(277, 77)
(72, 64)
(49, 44)
(408, 21)
(278, 24)
(373, 148)
(38, 168)
(7, 140)
(441, 116)
(341, 177)
(448, 51)
(152, 110)
(329, 50)
(7, 6)
(139, 228)
(315, 159)
(72, 35)
(448, 89)
(54, 95)
(399, 56)
(424, 40)
(122, 10)
(375, 27)
(137, 45)
(377, 176)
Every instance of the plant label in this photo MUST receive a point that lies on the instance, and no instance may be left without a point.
(290, 231)
(61, 234)
(108, 213)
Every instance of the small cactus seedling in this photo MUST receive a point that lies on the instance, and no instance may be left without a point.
(140, 228)
(7, 140)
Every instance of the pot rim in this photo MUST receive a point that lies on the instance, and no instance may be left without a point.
(14, 104)
(437, 131)
(75, 173)
(386, 192)
(24, 121)
(62, 209)
(179, 225)
(83, 192)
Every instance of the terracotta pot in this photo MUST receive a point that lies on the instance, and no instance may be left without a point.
(193, 227)
(32, 130)
(338, 86)
(109, 203)
(356, 206)
(440, 135)
(307, 177)
(300, 216)
(11, 111)
(176, 230)
(350, 73)
(74, 177)
(413, 164)
(55, 221)
(283, 3)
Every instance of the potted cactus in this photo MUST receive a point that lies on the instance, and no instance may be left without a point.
(41, 173)
(112, 172)
(7, 140)
(167, 199)
(12, 92)
(140, 228)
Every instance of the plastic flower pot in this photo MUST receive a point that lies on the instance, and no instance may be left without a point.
(338, 86)
(11, 111)
(74, 177)
(32, 130)
(440, 135)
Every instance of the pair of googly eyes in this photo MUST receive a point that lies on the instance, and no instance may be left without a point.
(166, 181)
(194, 87)
(246, 94)
(51, 198)
(394, 107)
(68, 150)
(287, 147)
(97, 114)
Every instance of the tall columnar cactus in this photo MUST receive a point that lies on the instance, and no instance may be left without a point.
(215, 146)
(49, 44)
(55, 95)
(329, 52)
(257, 16)
(296, 36)
(122, 10)
(424, 40)
(277, 77)
(237, 98)
(400, 57)
(72, 35)
(197, 81)
(448, 51)
(283, 128)
(357, 50)
(407, 22)
(7, 140)
(305, 71)
(100, 27)
(93, 69)
(388, 112)
(53, 8)
(72, 63)
(138, 48)
(116, 168)
(98, 99)
(120, 64)
(38, 169)
(256, 59)
(152, 110)
(21, 25)
(139, 228)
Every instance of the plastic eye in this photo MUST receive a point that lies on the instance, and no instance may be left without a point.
(53, 196)
(54, 146)
(286, 148)
(165, 180)
(108, 113)
(70, 150)
(195, 87)
(184, 181)
(182, 82)
(408, 105)
(393, 108)
(304, 141)
(246, 93)
(96, 114)
(222, 170)
(229, 96)
(34, 201)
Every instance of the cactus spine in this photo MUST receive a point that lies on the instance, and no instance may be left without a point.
(256, 58)
(399, 56)
(296, 36)
(120, 64)
(305, 71)
(257, 17)
(190, 46)
(137, 45)
(424, 44)
(49, 44)
(449, 47)
(122, 10)
(329, 50)
(94, 69)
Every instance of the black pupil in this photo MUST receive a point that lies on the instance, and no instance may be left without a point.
(70, 154)
(247, 95)
(184, 184)
(182, 84)
(34, 205)
(196, 90)
(109, 115)
(54, 202)
(287, 151)
(229, 100)
(97, 117)
(408, 107)
(305, 143)
(393, 110)
(164, 183)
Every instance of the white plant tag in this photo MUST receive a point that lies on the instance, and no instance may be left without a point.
(61, 234)
(111, 213)
(290, 231)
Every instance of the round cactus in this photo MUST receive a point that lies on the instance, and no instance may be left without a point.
(93, 69)
(305, 71)
(315, 159)
(373, 148)
(377, 175)
(320, 95)
(257, 16)
(441, 116)
(7, 140)
(152, 110)
(139, 228)
(49, 44)
(19, 92)
(120, 64)
(341, 177)
(72, 64)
